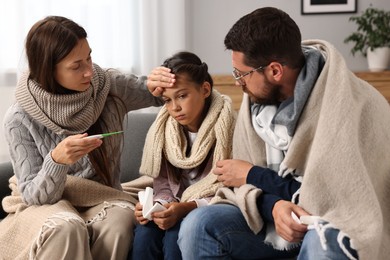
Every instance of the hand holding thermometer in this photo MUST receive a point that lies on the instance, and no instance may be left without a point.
(100, 136)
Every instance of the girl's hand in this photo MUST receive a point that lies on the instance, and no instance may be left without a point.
(175, 212)
(74, 147)
(138, 214)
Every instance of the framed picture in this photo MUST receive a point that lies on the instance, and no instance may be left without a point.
(328, 6)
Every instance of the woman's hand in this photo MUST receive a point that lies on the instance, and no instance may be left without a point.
(72, 148)
(175, 212)
(159, 79)
(138, 214)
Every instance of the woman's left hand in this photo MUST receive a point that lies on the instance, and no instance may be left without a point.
(159, 79)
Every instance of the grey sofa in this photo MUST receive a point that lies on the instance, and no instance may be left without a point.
(136, 126)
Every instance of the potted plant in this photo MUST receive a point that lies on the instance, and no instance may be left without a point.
(372, 38)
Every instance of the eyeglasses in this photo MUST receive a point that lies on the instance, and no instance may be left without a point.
(239, 77)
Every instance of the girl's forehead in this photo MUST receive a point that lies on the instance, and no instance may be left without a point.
(179, 87)
(182, 76)
(183, 80)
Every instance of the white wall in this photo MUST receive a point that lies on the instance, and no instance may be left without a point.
(208, 21)
(212, 19)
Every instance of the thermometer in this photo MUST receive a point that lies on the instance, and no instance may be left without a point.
(100, 136)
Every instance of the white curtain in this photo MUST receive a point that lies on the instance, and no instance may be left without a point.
(131, 35)
(162, 32)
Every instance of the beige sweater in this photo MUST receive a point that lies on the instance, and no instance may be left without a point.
(340, 146)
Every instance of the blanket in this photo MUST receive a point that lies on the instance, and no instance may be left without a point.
(21, 227)
(243, 197)
(340, 147)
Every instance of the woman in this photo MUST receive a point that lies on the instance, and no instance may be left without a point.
(67, 201)
(190, 134)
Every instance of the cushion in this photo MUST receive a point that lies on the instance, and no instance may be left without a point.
(136, 126)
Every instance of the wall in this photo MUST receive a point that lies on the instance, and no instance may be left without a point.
(208, 21)
(211, 20)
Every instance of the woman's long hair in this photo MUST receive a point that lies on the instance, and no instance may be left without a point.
(48, 42)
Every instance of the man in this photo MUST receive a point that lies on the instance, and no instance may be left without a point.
(313, 138)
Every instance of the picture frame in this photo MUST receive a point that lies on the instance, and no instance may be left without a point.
(328, 6)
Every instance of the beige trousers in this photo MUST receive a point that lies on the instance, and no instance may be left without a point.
(108, 235)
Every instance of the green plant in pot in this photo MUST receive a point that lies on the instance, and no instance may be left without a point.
(372, 37)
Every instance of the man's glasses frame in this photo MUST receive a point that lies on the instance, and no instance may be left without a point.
(239, 77)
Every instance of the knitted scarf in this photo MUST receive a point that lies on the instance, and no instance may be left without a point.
(166, 136)
(64, 114)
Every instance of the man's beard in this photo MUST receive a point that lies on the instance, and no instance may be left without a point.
(272, 97)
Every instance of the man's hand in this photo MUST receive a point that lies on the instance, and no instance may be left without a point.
(232, 173)
(159, 79)
(175, 212)
(285, 225)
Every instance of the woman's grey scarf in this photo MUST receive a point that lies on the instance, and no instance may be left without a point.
(64, 113)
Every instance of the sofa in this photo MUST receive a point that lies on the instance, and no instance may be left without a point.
(136, 126)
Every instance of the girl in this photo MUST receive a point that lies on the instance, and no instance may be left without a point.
(191, 133)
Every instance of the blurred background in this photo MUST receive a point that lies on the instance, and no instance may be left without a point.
(137, 35)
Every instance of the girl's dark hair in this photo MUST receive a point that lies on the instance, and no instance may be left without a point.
(191, 65)
(265, 35)
(48, 42)
(197, 71)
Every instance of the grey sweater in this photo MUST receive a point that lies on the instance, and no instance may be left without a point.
(40, 179)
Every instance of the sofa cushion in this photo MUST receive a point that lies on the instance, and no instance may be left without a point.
(6, 172)
(136, 126)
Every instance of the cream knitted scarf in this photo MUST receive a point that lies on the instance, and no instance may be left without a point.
(167, 135)
(64, 114)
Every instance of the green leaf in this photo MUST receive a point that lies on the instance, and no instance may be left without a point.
(373, 30)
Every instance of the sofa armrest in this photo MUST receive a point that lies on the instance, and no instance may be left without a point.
(6, 172)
